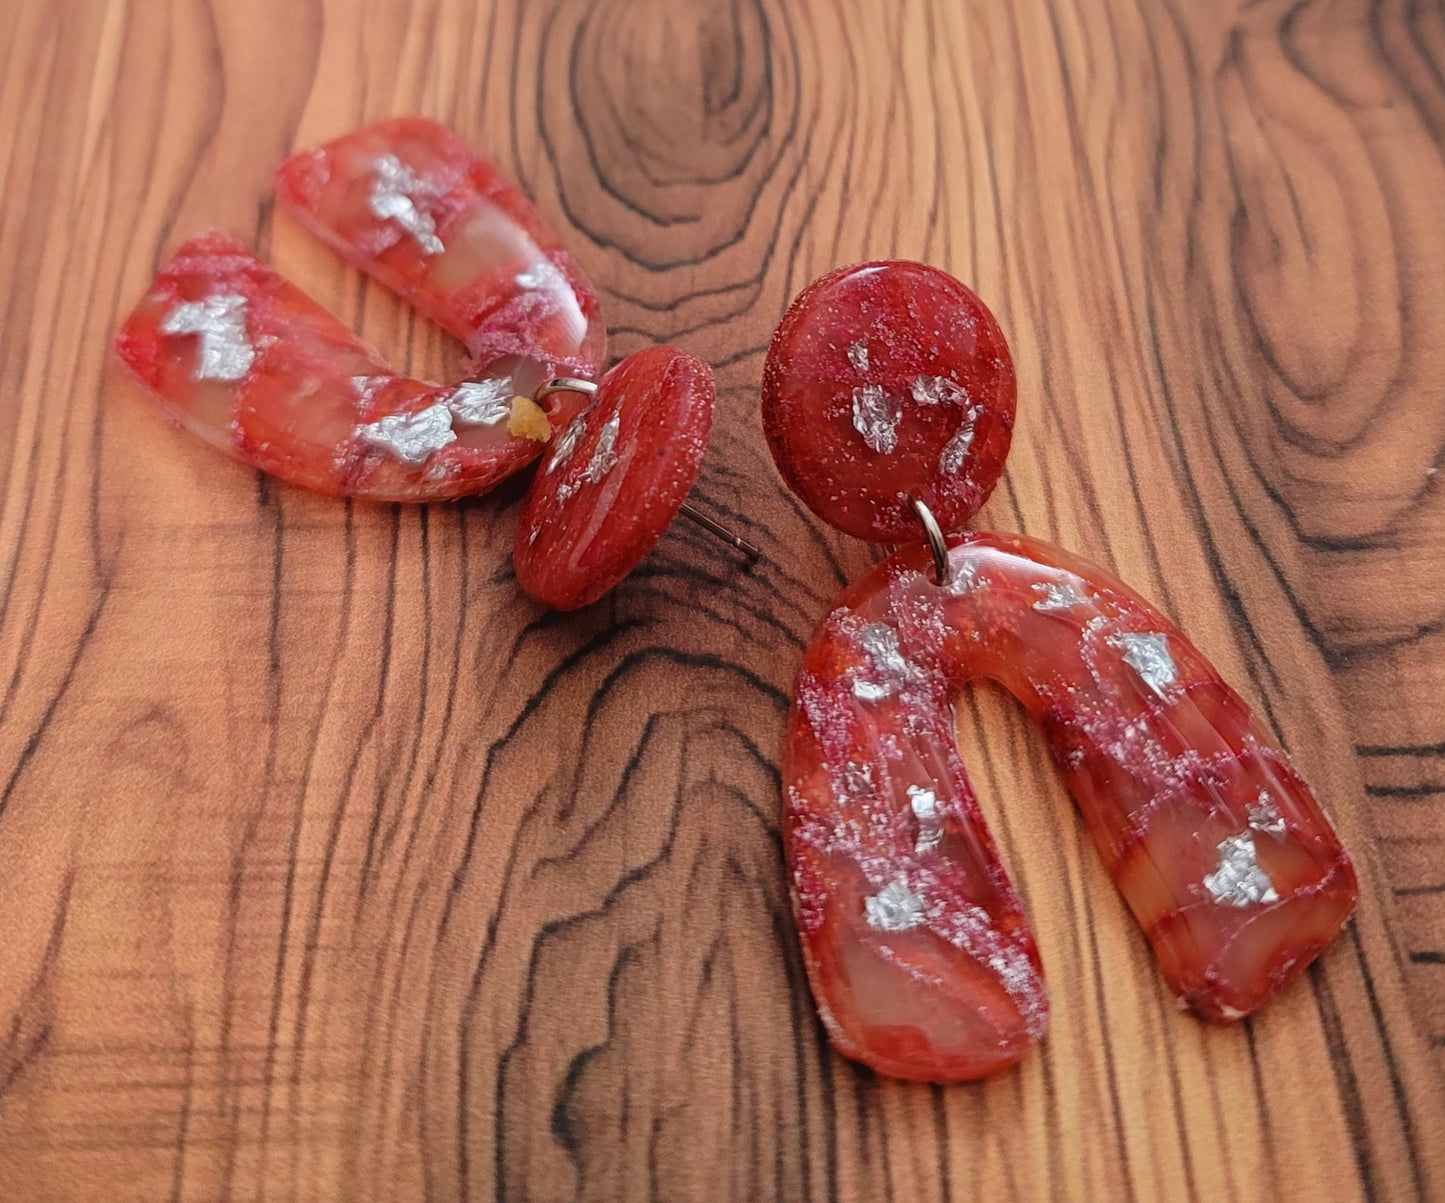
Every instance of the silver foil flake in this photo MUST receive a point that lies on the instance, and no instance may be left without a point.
(1239, 881)
(394, 193)
(880, 641)
(1057, 597)
(1264, 816)
(226, 351)
(439, 470)
(857, 780)
(604, 459)
(894, 908)
(871, 691)
(544, 276)
(965, 577)
(930, 825)
(939, 390)
(567, 442)
(875, 417)
(604, 455)
(411, 437)
(481, 402)
(1148, 655)
(858, 356)
(955, 452)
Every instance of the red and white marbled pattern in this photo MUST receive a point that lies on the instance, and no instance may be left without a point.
(408, 203)
(615, 479)
(920, 959)
(886, 380)
(253, 365)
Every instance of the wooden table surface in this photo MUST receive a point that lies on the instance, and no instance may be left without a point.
(332, 868)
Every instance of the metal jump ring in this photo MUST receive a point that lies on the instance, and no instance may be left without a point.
(933, 533)
(564, 384)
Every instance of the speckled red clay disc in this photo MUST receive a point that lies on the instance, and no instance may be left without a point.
(887, 380)
(613, 481)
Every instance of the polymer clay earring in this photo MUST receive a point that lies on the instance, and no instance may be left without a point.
(251, 364)
(248, 362)
(888, 400)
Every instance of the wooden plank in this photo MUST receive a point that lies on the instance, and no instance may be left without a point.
(330, 867)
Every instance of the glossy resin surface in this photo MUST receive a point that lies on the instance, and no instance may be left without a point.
(888, 380)
(408, 203)
(615, 478)
(920, 959)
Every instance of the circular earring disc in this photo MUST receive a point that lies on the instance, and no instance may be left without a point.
(887, 381)
(614, 479)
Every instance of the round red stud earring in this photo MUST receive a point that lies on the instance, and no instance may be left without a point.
(615, 479)
(888, 400)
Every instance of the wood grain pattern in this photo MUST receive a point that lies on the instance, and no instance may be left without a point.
(332, 868)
